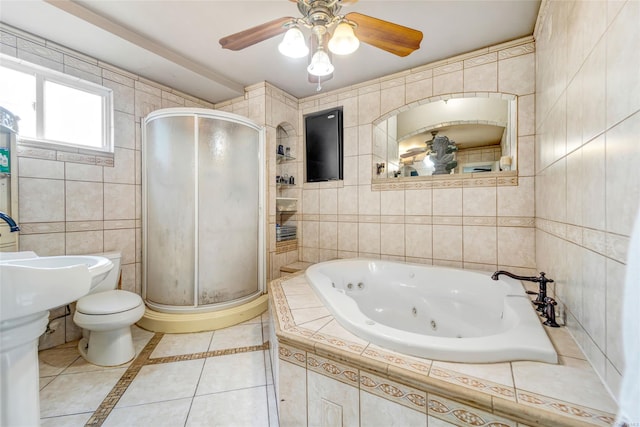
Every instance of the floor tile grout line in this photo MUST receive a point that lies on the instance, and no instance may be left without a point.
(144, 359)
(112, 398)
(207, 354)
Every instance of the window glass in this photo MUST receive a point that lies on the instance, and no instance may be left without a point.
(18, 95)
(71, 115)
(56, 108)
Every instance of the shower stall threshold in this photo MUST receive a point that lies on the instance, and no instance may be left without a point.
(176, 323)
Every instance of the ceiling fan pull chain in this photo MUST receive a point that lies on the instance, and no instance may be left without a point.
(319, 88)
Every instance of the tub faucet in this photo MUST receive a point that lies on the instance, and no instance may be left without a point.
(542, 281)
(549, 312)
(12, 224)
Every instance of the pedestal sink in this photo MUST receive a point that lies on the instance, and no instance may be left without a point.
(30, 287)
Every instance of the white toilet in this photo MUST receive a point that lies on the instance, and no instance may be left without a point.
(106, 316)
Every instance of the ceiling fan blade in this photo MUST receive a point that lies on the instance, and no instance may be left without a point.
(256, 34)
(385, 35)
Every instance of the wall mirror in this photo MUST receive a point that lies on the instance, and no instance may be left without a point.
(448, 135)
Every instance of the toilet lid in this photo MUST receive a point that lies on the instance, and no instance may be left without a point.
(109, 302)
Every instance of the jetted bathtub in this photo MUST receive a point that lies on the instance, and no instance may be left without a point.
(433, 312)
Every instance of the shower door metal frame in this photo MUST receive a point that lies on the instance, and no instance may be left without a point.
(196, 113)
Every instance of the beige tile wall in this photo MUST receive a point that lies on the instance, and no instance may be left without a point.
(587, 155)
(472, 227)
(75, 202)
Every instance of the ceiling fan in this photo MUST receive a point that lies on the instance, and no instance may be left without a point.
(320, 16)
(409, 156)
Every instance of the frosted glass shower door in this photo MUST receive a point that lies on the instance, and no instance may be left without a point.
(203, 222)
(228, 210)
(170, 190)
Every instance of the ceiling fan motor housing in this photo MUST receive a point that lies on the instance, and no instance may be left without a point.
(319, 12)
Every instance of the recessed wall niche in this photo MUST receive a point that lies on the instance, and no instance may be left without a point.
(286, 183)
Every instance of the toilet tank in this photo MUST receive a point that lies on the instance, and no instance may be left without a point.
(111, 281)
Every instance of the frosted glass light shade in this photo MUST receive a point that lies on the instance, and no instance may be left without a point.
(293, 45)
(320, 64)
(344, 41)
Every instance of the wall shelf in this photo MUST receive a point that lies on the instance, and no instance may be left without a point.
(284, 158)
(285, 185)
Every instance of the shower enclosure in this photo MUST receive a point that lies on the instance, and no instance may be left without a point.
(202, 210)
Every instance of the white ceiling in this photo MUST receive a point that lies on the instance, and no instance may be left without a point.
(175, 42)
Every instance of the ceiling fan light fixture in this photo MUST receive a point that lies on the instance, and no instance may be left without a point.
(293, 44)
(343, 41)
(320, 64)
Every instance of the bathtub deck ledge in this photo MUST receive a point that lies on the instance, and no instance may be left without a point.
(515, 394)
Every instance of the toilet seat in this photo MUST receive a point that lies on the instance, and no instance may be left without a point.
(109, 302)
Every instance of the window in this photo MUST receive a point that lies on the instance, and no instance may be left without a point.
(56, 108)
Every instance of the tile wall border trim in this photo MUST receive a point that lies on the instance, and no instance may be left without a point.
(610, 245)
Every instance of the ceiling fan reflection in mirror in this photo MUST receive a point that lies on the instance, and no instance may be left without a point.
(323, 17)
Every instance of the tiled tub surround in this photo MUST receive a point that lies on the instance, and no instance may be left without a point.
(335, 375)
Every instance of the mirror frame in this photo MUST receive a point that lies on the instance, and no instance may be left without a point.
(453, 180)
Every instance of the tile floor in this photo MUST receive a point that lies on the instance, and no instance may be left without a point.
(215, 378)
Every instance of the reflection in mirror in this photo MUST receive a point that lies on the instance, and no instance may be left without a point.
(447, 136)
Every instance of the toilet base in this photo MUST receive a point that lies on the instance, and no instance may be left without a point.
(108, 348)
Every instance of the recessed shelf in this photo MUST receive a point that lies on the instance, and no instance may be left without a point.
(284, 158)
(285, 204)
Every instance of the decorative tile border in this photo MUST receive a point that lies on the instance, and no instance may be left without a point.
(607, 244)
(109, 402)
(576, 412)
(487, 179)
(41, 227)
(517, 51)
(205, 354)
(481, 60)
(73, 226)
(84, 225)
(293, 355)
(393, 391)
(144, 358)
(285, 319)
(334, 370)
(462, 415)
(480, 220)
(414, 364)
(447, 68)
(340, 343)
(474, 383)
(516, 221)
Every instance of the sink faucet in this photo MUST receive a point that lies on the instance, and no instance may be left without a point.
(10, 221)
(541, 280)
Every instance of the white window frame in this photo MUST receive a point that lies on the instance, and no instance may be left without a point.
(42, 75)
